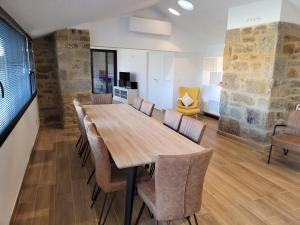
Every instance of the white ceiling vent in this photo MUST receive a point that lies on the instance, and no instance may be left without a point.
(150, 26)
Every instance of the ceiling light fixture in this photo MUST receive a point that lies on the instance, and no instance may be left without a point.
(186, 5)
(174, 12)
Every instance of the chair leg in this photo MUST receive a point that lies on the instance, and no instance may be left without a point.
(270, 153)
(79, 146)
(140, 213)
(102, 210)
(94, 190)
(82, 148)
(195, 217)
(90, 177)
(150, 213)
(109, 207)
(285, 151)
(86, 157)
(94, 198)
(84, 152)
(79, 140)
(188, 219)
(152, 169)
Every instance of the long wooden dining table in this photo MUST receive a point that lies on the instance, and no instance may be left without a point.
(134, 139)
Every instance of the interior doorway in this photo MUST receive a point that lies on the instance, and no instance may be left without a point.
(104, 70)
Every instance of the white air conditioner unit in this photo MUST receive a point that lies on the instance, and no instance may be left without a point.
(150, 26)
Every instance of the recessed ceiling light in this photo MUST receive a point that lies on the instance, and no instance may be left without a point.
(186, 5)
(174, 12)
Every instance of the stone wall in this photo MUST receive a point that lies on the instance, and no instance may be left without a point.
(63, 73)
(285, 93)
(74, 70)
(261, 81)
(47, 81)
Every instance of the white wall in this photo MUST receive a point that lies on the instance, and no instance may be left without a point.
(115, 33)
(187, 70)
(262, 12)
(180, 69)
(290, 11)
(168, 81)
(183, 53)
(14, 156)
(254, 14)
(161, 78)
(135, 62)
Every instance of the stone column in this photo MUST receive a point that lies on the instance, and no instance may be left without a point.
(47, 81)
(261, 79)
(74, 70)
(285, 93)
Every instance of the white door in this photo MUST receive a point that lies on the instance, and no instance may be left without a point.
(155, 78)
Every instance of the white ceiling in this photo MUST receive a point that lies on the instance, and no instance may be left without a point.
(39, 17)
(207, 22)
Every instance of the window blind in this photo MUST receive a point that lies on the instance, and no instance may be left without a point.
(16, 78)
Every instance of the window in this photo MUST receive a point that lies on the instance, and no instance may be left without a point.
(104, 70)
(17, 76)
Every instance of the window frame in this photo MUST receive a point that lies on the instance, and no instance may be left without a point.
(115, 67)
(11, 22)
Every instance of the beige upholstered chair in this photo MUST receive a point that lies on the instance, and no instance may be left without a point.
(109, 178)
(289, 139)
(172, 119)
(82, 142)
(147, 108)
(77, 103)
(98, 99)
(137, 103)
(176, 191)
(87, 122)
(192, 129)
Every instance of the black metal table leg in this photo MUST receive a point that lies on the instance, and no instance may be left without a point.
(131, 178)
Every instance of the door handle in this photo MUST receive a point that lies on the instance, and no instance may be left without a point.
(2, 89)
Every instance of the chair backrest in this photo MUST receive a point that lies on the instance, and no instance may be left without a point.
(80, 113)
(193, 92)
(172, 119)
(76, 102)
(102, 160)
(147, 108)
(98, 99)
(87, 122)
(192, 129)
(293, 123)
(137, 103)
(179, 184)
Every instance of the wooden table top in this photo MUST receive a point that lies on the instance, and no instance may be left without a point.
(133, 138)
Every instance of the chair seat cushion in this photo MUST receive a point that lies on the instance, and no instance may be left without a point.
(188, 107)
(287, 141)
(188, 112)
(146, 191)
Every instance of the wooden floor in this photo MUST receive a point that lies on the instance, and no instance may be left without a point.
(240, 187)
